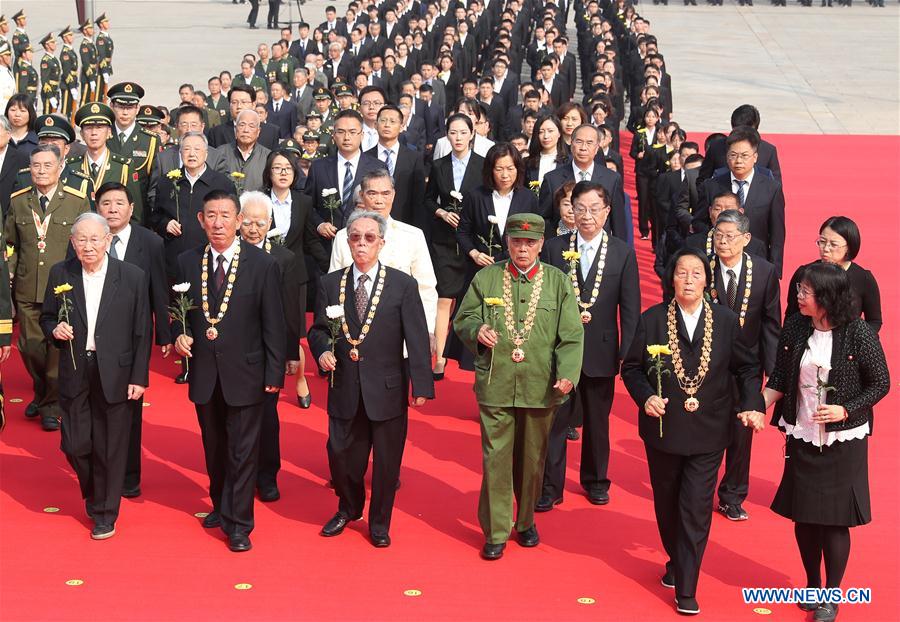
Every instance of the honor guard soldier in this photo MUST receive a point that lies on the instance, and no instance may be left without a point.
(55, 130)
(7, 79)
(20, 38)
(87, 52)
(104, 54)
(100, 163)
(135, 143)
(37, 228)
(323, 105)
(150, 119)
(68, 61)
(26, 75)
(4, 29)
(51, 74)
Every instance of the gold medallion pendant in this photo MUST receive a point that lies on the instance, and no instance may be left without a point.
(518, 355)
(691, 404)
(354, 354)
(212, 333)
(585, 316)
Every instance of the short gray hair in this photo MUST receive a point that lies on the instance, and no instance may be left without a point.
(735, 217)
(47, 148)
(194, 135)
(378, 173)
(4, 122)
(357, 198)
(92, 217)
(255, 197)
(246, 112)
(360, 214)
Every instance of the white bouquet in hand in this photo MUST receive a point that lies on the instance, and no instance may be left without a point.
(179, 308)
(335, 315)
(822, 390)
(332, 201)
(491, 245)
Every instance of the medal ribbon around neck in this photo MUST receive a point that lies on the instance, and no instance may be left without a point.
(745, 303)
(376, 298)
(690, 385)
(598, 278)
(41, 226)
(212, 332)
(519, 338)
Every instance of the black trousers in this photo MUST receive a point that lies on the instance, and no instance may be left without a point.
(736, 480)
(349, 443)
(272, 17)
(646, 215)
(683, 488)
(254, 11)
(231, 446)
(133, 462)
(596, 397)
(100, 472)
(269, 443)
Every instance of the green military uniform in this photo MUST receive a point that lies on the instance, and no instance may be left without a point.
(87, 53)
(5, 318)
(33, 256)
(26, 78)
(282, 70)
(20, 41)
(68, 61)
(255, 81)
(517, 399)
(141, 147)
(104, 56)
(51, 76)
(221, 107)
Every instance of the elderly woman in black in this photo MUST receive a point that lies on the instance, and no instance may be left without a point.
(838, 243)
(684, 415)
(829, 373)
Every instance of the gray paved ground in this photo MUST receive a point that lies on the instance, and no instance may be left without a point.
(809, 70)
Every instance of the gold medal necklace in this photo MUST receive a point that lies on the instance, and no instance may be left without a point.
(745, 303)
(212, 332)
(690, 385)
(595, 292)
(376, 298)
(520, 337)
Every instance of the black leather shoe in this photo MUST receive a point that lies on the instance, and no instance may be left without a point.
(491, 552)
(598, 497)
(182, 378)
(239, 543)
(529, 537)
(380, 540)
(668, 579)
(733, 512)
(212, 520)
(686, 606)
(254, 27)
(572, 434)
(335, 526)
(131, 493)
(31, 411)
(808, 606)
(49, 423)
(268, 494)
(826, 612)
(102, 532)
(546, 503)
(305, 401)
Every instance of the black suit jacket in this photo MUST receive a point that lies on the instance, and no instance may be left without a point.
(415, 134)
(13, 162)
(709, 428)
(767, 157)
(185, 210)
(567, 71)
(379, 378)
(290, 297)
(323, 174)
(617, 223)
(437, 195)
(762, 321)
(122, 334)
(146, 251)
(299, 51)
(764, 205)
(223, 135)
(301, 239)
(433, 116)
(248, 353)
(409, 186)
(285, 120)
(474, 229)
(618, 303)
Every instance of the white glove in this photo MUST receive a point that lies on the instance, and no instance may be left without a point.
(106, 78)
(74, 93)
(54, 103)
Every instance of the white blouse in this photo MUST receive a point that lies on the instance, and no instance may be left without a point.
(815, 364)
(501, 208)
(547, 164)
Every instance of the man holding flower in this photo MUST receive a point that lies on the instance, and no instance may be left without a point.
(97, 308)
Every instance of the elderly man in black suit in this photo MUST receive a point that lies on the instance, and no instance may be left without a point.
(585, 167)
(234, 339)
(761, 197)
(367, 404)
(106, 329)
(339, 173)
(605, 278)
(143, 248)
(746, 284)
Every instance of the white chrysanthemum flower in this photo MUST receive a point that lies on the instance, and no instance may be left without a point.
(180, 288)
(334, 312)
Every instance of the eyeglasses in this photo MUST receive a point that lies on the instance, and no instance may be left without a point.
(828, 245)
(594, 211)
(368, 104)
(258, 223)
(281, 170)
(370, 238)
(739, 157)
(388, 121)
(84, 242)
(343, 133)
(804, 292)
(726, 237)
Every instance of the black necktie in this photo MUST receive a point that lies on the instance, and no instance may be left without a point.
(44, 201)
(220, 272)
(732, 288)
(112, 247)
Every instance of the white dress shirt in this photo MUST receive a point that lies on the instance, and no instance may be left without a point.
(747, 184)
(93, 289)
(122, 245)
(405, 249)
(459, 168)
(370, 137)
(228, 254)
(127, 131)
(370, 282)
(501, 208)
(691, 319)
(737, 273)
(342, 170)
(191, 178)
(577, 171)
(547, 164)
(281, 213)
(588, 250)
(395, 152)
(481, 146)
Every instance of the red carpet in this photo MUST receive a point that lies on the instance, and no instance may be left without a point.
(162, 565)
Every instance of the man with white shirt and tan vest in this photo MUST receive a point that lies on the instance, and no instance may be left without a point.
(37, 228)
(405, 248)
(96, 310)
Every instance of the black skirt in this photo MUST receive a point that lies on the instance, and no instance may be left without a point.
(830, 487)
(450, 268)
